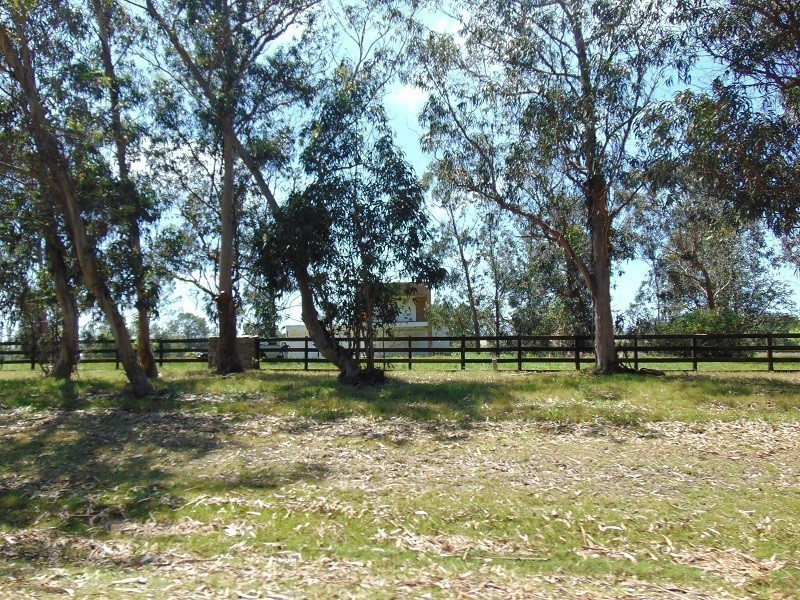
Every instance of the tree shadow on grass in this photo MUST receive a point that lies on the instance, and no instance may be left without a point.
(319, 396)
(325, 399)
(79, 471)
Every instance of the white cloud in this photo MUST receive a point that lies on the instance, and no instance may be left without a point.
(407, 98)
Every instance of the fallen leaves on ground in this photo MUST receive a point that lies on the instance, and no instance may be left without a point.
(346, 470)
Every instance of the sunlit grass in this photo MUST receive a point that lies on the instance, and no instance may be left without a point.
(568, 397)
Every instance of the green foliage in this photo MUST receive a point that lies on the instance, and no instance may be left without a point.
(689, 241)
(451, 317)
(536, 107)
(705, 321)
(739, 135)
(183, 325)
(366, 207)
(757, 41)
(744, 154)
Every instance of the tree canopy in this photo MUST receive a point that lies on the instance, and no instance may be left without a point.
(249, 148)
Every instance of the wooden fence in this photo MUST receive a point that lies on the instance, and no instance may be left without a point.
(523, 352)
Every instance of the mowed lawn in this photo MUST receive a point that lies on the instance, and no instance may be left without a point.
(450, 484)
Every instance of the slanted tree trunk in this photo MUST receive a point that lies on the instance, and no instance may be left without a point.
(228, 358)
(56, 175)
(324, 341)
(705, 282)
(143, 304)
(67, 355)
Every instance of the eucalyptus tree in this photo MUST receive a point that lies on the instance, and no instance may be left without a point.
(366, 205)
(504, 276)
(536, 104)
(255, 36)
(458, 233)
(47, 78)
(758, 41)
(705, 257)
(117, 34)
(37, 295)
(546, 295)
(743, 132)
(241, 67)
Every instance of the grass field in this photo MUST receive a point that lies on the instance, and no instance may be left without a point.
(438, 484)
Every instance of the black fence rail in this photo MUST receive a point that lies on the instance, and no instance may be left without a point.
(523, 352)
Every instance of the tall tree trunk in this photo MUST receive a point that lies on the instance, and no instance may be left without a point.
(55, 172)
(144, 345)
(600, 226)
(96, 282)
(228, 358)
(143, 307)
(596, 194)
(493, 264)
(67, 356)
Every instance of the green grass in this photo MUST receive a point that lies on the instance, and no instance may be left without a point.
(440, 483)
(568, 397)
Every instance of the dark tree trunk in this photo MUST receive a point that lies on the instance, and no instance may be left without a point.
(370, 347)
(600, 226)
(67, 355)
(325, 342)
(144, 346)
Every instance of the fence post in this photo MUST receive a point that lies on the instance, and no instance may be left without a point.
(463, 353)
(694, 353)
(305, 355)
(410, 353)
(160, 352)
(577, 353)
(635, 352)
(770, 361)
(116, 358)
(519, 352)
(34, 348)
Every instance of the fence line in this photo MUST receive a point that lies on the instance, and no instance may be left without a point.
(770, 349)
